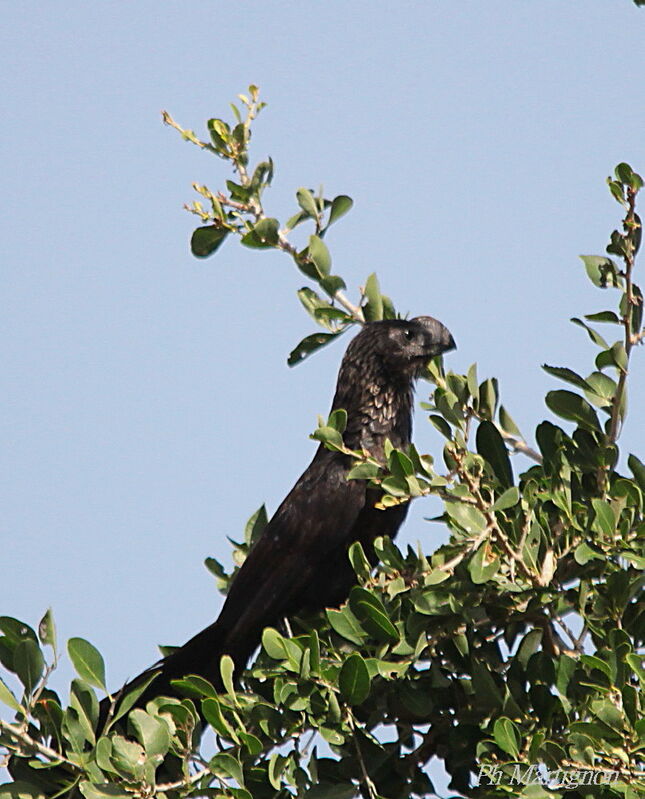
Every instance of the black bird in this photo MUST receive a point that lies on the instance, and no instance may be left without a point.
(300, 563)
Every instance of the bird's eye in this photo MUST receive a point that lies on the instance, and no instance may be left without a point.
(409, 334)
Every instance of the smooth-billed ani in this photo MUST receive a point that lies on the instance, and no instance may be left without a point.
(300, 563)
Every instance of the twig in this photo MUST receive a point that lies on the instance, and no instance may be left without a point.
(20, 735)
(367, 781)
(519, 445)
(170, 786)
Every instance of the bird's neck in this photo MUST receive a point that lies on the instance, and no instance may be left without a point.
(378, 408)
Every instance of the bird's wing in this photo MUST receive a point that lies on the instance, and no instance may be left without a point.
(315, 519)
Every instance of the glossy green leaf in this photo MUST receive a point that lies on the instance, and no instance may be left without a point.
(600, 389)
(373, 309)
(364, 471)
(593, 334)
(28, 663)
(507, 737)
(206, 240)
(212, 711)
(604, 518)
(151, 732)
(603, 316)
(320, 256)
(345, 623)
(508, 499)
(225, 765)
(227, 671)
(602, 271)
(574, 408)
(255, 525)
(87, 661)
(372, 615)
(506, 422)
(7, 698)
(568, 375)
(272, 643)
(637, 468)
(491, 446)
(354, 680)
(308, 345)
(47, 630)
(482, 570)
(105, 790)
(466, 516)
(339, 207)
(360, 564)
(263, 235)
(307, 202)
(488, 396)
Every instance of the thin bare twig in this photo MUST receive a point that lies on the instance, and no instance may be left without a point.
(519, 445)
(19, 734)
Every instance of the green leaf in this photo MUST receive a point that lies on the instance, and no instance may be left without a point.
(308, 345)
(364, 471)
(225, 765)
(227, 670)
(272, 644)
(442, 425)
(151, 732)
(338, 420)
(328, 436)
(481, 571)
(47, 630)
(604, 518)
(506, 422)
(320, 256)
(507, 737)
(255, 525)
(508, 499)
(340, 205)
(354, 680)
(602, 271)
(106, 790)
(206, 240)
(127, 701)
(568, 375)
(574, 408)
(346, 625)
(16, 630)
(8, 698)
(487, 401)
(601, 389)
(332, 283)
(593, 335)
(466, 516)
(603, 316)
(372, 615)
(307, 202)
(637, 468)
(490, 445)
(263, 235)
(28, 663)
(128, 757)
(212, 711)
(584, 553)
(360, 563)
(373, 309)
(87, 661)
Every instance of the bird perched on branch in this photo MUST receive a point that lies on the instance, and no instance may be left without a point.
(300, 562)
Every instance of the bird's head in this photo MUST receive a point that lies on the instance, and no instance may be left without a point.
(404, 346)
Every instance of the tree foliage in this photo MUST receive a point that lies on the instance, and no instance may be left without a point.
(514, 645)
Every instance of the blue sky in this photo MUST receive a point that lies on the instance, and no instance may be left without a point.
(149, 407)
